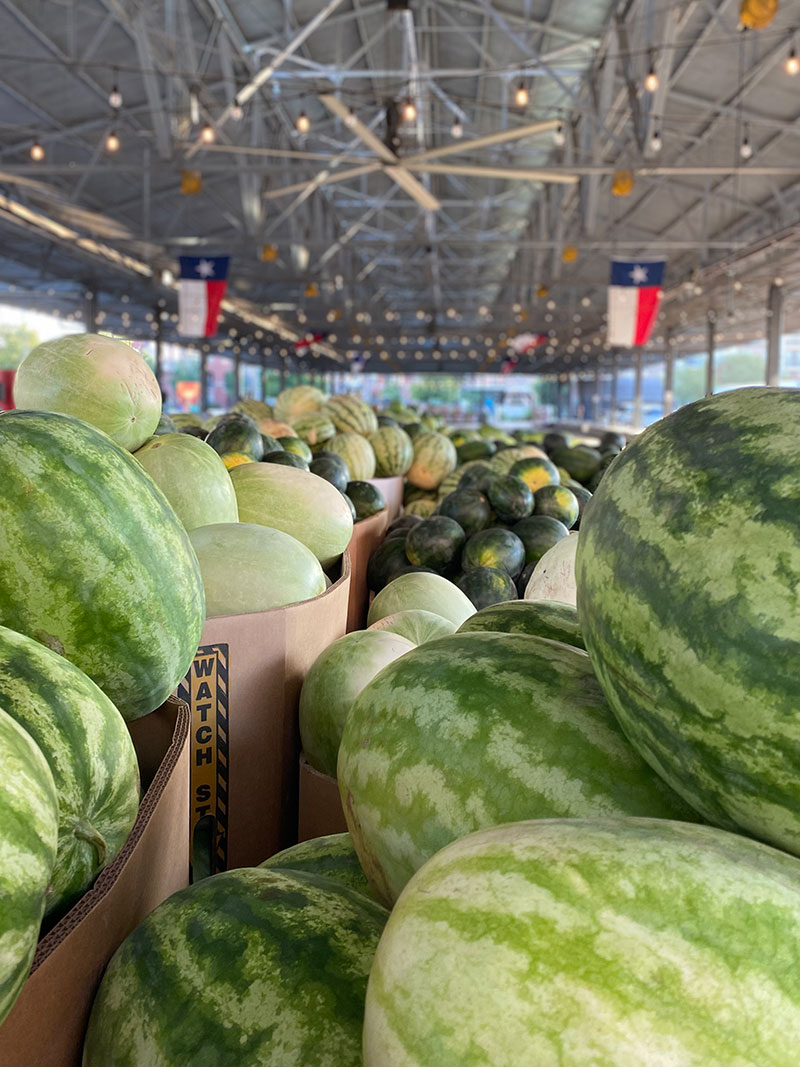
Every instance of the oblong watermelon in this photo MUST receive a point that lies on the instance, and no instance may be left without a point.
(285, 953)
(192, 477)
(539, 618)
(28, 837)
(434, 458)
(357, 453)
(297, 502)
(99, 380)
(393, 450)
(94, 563)
(478, 729)
(687, 575)
(90, 754)
(332, 856)
(428, 592)
(350, 414)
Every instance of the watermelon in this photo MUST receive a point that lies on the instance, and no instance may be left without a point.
(192, 477)
(297, 446)
(296, 401)
(552, 441)
(422, 508)
(538, 534)
(393, 450)
(506, 458)
(403, 522)
(469, 508)
(688, 570)
(288, 952)
(612, 440)
(332, 468)
(28, 837)
(274, 428)
(249, 568)
(349, 414)
(553, 576)
(524, 578)
(286, 459)
(435, 543)
(581, 461)
(583, 496)
(417, 625)
(270, 444)
(332, 856)
(386, 562)
(296, 502)
(256, 409)
(475, 476)
(540, 618)
(98, 379)
(315, 428)
(236, 459)
(190, 420)
(494, 547)
(448, 484)
(367, 499)
(535, 472)
(434, 459)
(237, 433)
(558, 502)
(357, 453)
(426, 592)
(480, 449)
(478, 729)
(90, 754)
(510, 497)
(386, 420)
(487, 585)
(351, 507)
(164, 425)
(332, 684)
(592, 942)
(94, 563)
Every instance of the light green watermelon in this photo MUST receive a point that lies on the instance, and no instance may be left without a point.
(565, 942)
(313, 427)
(296, 401)
(282, 958)
(28, 837)
(417, 625)
(687, 575)
(249, 568)
(434, 458)
(331, 857)
(350, 414)
(540, 618)
(332, 684)
(298, 503)
(357, 453)
(421, 591)
(478, 729)
(192, 477)
(393, 450)
(100, 380)
(94, 563)
(90, 754)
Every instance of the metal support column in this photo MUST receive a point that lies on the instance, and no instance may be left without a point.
(237, 368)
(637, 390)
(612, 403)
(90, 309)
(669, 377)
(159, 338)
(711, 333)
(594, 414)
(203, 380)
(283, 373)
(774, 332)
(574, 397)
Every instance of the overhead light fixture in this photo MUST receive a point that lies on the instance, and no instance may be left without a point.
(521, 96)
(237, 111)
(112, 142)
(656, 143)
(745, 148)
(559, 136)
(651, 81)
(792, 64)
(194, 107)
(207, 134)
(456, 130)
(303, 123)
(115, 99)
(409, 110)
(37, 152)
(351, 118)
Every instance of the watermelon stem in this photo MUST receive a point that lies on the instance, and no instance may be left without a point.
(84, 831)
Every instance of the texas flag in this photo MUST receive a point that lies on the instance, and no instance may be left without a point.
(202, 287)
(634, 297)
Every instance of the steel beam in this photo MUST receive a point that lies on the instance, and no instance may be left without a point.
(774, 333)
(637, 389)
(711, 333)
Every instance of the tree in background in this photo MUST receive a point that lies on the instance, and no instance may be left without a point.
(15, 343)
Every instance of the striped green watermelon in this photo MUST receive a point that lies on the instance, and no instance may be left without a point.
(192, 477)
(558, 502)
(535, 471)
(510, 497)
(478, 729)
(539, 618)
(331, 857)
(494, 547)
(487, 585)
(28, 837)
(350, 414)
(469, 508)
(582, 461)
(687, 572)
(506, 458)
(298, 447)
(423, 508)
(539, 533)
(416, 624)
(94, 563)
(282, 458)
(426, 592)
(252, 966)
(164, 425)
(357, 453)
(367, 499)
(99, 380)
(434, 459)
(90, 754)
(237, 433)
(314, 427)
(296, 401)
(435, 543)
(332, 684)
(393, 450)
(589, 942)
(296, 502)
(256, 409)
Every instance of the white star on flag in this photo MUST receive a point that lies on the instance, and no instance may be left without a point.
(639, 275)
(205, 268)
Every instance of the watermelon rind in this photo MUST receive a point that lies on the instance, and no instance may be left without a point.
(428, 592)
(553, 576)
(192, 477)
(331, 856)
(416, 625)
(538, 618)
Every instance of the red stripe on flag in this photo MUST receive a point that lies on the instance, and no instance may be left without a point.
(649, 302)
(215, 291)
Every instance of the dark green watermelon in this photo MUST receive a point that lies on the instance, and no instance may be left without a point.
(332, 468)
(237, 433)
(413, 429)
(165, 425)
(404, 522)
(285, 459)
(541, 618)
(479, 477)
(538, 534)
(612, 440)
(386, 562)
(298, 446)
(487, 585)
(583, 496)
(475, 450)
(552, 441)
(559, 502)
(525, 577)
(494, 548)
(582, 462)
(511, 498)
(469, 508)
(435, 543)
(367, 498)
(385, 420)
(270, 444)
(194, 431)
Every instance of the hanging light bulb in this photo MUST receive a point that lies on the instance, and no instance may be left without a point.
(521, 96)
(655, 141)
(651, 81)
(237, 111)
(37, 152)
(456, 130)
(194, 107)
(303, 123)
(745, 148)
(351, 119)
(409, 110)
(112, 142)
(207, 134)
(792, 64)
(115, 99)
(559, 137)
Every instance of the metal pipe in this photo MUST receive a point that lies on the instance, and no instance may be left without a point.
(637, 390)
(774, 332)
(669, 378)
(710, 339)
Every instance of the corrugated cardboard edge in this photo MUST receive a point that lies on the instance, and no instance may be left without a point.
(320, 806)
(367, 535)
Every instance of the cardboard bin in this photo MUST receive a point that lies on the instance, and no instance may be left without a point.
(392, 489)
(243, 691)
(367, 535)
(46, 1026)
(320, 804)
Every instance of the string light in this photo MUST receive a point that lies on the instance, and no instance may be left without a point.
(351, 118)
(207, 134)
(303, 123)
(655, 141)
(237, 111)
(745, 148)
(521, 96)
(651, 81)
(559, 137)
(456, 130)
(194, 107)
(115, 99)
(409, 110)
(37, 152)
(792, 64)
(112, 142)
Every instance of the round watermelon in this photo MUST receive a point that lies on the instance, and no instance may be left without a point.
(315, 428)
(539, 533)
(469, 508)
(582, 461)
(298, 400)
(237, 433)
(435, 543)
(393, 450)
(332, 468)
(487, 585)
(478, 729)
(28, 838)
(367, 499)
(97, 379)
(286, 459)
(687, 575)
(505, 460)
(427, 592)
(539, 618)
(283, 955)
(332, 856)
(423, 508)
(297, 446)
(494, 547)
(535, 472)
(387, 561)
(332, 684)
(192, 477)
(558, 502)
(475, 476)
(164, 425)
(350, 414)
(593, 942)
(90, 754)
(94, 563)
(357, 453)
(434, 459)
(510, 497)
(417, 625)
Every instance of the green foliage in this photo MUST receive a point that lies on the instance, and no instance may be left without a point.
(15, 343)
